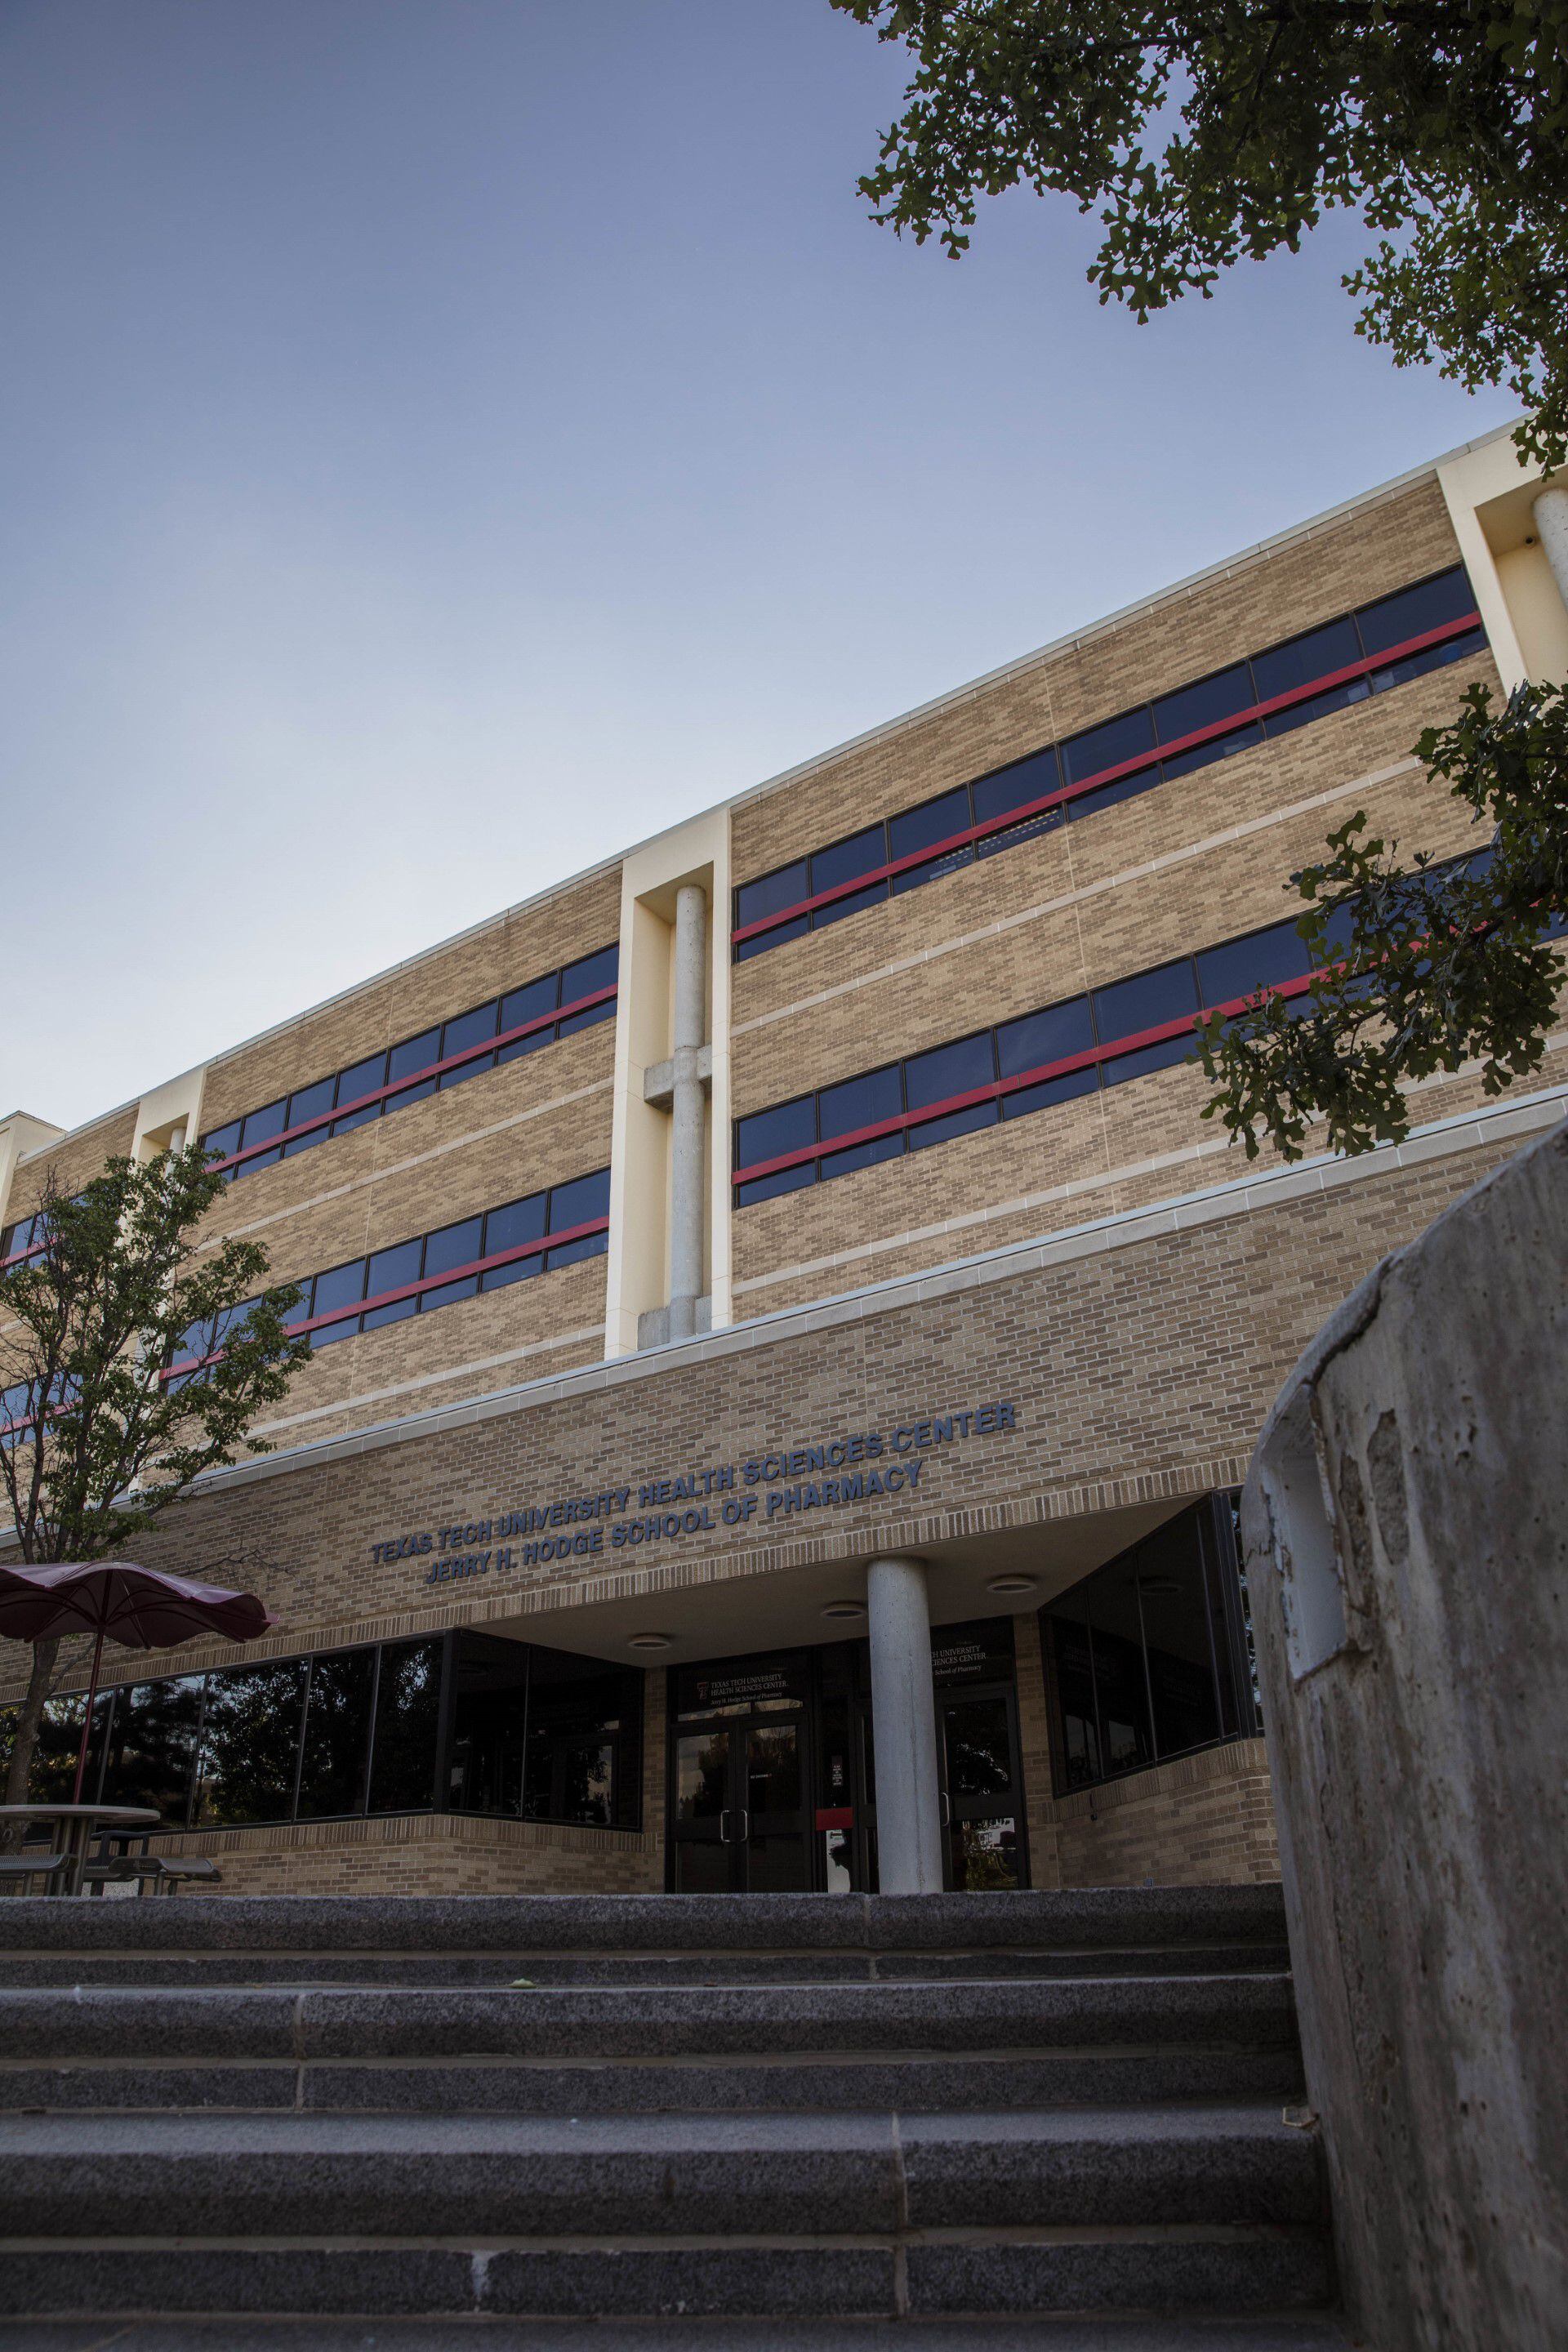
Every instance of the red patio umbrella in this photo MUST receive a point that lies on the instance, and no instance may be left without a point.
(140, 1608)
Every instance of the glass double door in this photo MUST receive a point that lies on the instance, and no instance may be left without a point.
(739, 1822)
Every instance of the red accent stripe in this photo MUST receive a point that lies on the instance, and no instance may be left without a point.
(416, 1078)
(416, 1289)
(1021, 814)
(998, 1087)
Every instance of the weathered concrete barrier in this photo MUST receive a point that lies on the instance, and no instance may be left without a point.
(1406, 1524)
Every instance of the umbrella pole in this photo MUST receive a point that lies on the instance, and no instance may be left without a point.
(87, 1719)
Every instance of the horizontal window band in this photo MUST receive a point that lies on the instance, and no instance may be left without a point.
(416, 1078)
(1212, 733)
(416, 1289)
(999, 1088)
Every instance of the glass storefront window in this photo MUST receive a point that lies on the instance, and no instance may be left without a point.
(1140, 1657)
(336, 1747)
(250, 1744)
(153, 1746)
(544, 1735)
(408, 1714)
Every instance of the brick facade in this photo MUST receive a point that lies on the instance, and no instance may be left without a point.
(1138, 1354)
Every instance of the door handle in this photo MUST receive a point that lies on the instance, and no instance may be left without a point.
(946, 1803)
(745, 1824)
(724, 1826)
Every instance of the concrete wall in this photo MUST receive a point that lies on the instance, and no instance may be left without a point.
(1406, 1527)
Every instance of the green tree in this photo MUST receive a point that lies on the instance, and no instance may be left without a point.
(95, 1440)
(1203, 132)
(1420, 967)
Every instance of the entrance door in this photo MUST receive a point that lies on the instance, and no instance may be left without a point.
(983, 1799)
(739, 1810)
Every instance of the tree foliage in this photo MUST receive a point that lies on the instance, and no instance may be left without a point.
(1203, 132)
(1420, 968)
(95, 1440)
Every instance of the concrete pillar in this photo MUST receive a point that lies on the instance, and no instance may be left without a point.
(688, 1160)
(903, 1723)
(1551, 512)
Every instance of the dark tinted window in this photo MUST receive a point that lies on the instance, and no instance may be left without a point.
(336, 1749)
(219, 1143)
(359, 1079)
(541, 996)
(1014, 787)
(1413, 611)
(917, 828)
(768, 1134)
(1039, 1038)
(1242, 966)
(1140, 1656)
(1301, 659)
(453, 1245)
(340, 1287)
(581, 1202)
(392, 1269)
(469, 1029)
(590, 974)
(408, 1708)
(261, 1125)
(410, 1056)
(518, 1221)
(861, 853)
(859, 1102)
(787, 888)
(153, 1746)
(1126, 738)
(1143, 1002)
(250, 1744)
(413, 1054)
(310, 1102)
(949, 1070)
(1202, 704)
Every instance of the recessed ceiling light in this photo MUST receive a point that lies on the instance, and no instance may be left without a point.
(649, 1642)
(1012, 1585)
(844, 1609)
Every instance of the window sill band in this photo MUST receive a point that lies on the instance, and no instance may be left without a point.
(1212, 733)
(999, 1088)
(414, 1079)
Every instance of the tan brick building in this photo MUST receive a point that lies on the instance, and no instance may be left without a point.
(799, 1232)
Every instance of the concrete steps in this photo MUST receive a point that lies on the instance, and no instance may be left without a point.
(1080, 2131)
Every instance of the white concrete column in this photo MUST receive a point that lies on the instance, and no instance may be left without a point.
(1551, 512)
(903, 1729)
(687, 1161)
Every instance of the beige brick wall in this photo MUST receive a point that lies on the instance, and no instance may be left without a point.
(1199, 1821)
(425, 1854)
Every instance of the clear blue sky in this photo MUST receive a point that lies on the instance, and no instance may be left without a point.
(443, 441)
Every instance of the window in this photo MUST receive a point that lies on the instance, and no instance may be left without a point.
(387, 1081)
(1147, 1657)
(924, 1094)
(407, 1711)
(331, 1301)
(1131, 737)
(1444, 604)
(543, 1735)
(453, 1245)
(250, 1745)
(469, 1032)
(536, 1731)
(335, 1750)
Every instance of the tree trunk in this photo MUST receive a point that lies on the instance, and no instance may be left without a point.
(29, 1715)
